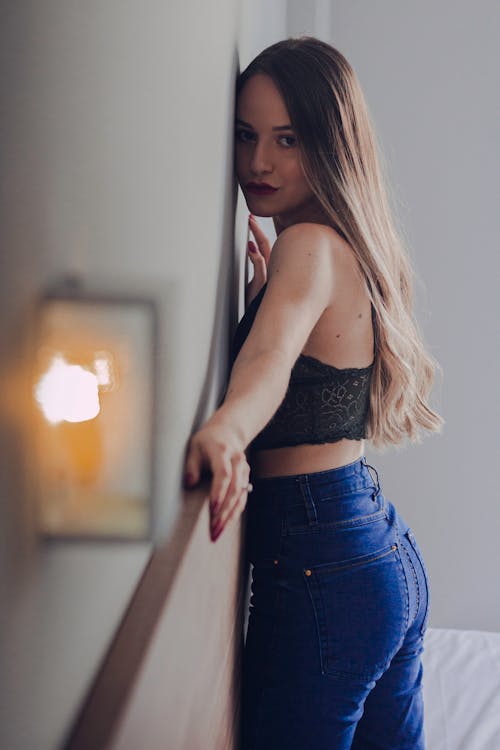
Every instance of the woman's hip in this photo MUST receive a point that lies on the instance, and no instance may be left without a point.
(333, 540)
(327, 517)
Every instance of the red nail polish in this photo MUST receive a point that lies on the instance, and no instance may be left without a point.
(216, 534)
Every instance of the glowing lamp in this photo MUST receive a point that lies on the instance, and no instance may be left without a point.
(94, 400)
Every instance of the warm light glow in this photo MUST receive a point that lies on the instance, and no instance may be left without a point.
(91, 410)
(70, 393)
(103, 370)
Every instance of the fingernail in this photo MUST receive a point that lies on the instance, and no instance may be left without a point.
(217, 526)
(252, 247)
(216, 535)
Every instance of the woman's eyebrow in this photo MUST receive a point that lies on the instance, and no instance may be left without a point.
(278, 127)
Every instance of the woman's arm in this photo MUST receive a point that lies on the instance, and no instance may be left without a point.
(256, 389)
(300, 287)
(297, 293)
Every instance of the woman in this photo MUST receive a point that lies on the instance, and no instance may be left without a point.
(328, 353)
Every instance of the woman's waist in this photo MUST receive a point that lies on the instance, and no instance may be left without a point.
(304, 458)
(334, 501)
(346, 485)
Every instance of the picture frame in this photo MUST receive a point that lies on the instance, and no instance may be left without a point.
(94, 398)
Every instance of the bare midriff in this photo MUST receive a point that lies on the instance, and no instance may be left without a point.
(303, 459)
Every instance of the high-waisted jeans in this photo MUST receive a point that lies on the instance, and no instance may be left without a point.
(338, 610)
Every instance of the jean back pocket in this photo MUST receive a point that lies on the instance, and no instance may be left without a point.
(361, 611)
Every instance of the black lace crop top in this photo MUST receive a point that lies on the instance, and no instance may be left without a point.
(322, 404)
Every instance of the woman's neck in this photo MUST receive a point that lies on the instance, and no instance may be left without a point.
(313, 215)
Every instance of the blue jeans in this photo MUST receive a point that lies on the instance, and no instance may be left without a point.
(338, 610)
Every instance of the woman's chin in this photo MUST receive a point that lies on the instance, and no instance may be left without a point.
(258, 210)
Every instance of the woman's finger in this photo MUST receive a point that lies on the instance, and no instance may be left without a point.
(237, 508)
(239, 480)
(255, 255)
(222, 470)
(258, 262)
(262, 240)
(192, 464)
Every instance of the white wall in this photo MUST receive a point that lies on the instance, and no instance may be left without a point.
(431, 75)
(259, 26)
(116, 145)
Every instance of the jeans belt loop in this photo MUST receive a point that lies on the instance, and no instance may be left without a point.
(312, 516)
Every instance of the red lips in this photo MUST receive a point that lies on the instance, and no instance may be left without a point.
(260, 188)
(260, 185)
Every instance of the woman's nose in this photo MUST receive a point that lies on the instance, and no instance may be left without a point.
(261, 159)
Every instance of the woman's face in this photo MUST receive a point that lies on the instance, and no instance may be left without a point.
(266, 151)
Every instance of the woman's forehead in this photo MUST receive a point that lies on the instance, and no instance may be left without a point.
(260, 100)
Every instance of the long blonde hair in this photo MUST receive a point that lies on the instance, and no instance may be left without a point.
(342, 163)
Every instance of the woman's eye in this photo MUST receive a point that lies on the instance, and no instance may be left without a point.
(240, 133)
(241, 136)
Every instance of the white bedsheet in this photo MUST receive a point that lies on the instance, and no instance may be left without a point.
(461, 689)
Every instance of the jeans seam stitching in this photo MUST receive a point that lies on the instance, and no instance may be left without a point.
(321, 628)
(412, 541)
(404, 583)
(330, 525)
(415, 579)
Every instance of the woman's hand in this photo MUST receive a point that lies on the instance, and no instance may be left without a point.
(259, 254)
(216, 448)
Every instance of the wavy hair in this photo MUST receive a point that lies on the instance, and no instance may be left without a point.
(343, 165)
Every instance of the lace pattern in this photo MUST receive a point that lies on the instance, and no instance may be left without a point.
(322, 404)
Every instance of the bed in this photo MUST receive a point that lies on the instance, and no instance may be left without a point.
(461, 689)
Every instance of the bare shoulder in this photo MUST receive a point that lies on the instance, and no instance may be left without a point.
(311, 253)
(300, 287)
(311, 237)
(307, 230)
